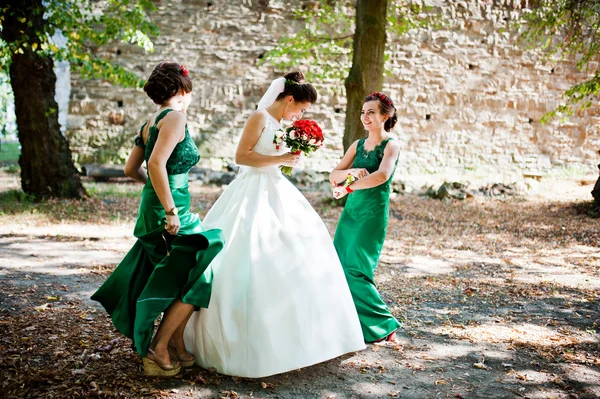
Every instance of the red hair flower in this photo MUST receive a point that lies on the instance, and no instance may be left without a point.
(184, 71)
(383, 98)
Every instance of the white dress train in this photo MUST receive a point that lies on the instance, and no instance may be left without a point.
(279, 300)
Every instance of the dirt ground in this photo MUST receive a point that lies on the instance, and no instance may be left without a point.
(499, 298)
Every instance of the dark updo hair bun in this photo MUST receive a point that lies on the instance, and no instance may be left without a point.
(296, 87)
(386, 107)
(166, 81)
(295, 76)
(390, 122)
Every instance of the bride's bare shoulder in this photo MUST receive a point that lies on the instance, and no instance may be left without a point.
(257, 118)
(259, 114)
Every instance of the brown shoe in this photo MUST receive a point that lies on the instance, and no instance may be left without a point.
(186, 360)
(155, 368)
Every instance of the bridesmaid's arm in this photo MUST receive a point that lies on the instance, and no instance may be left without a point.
(172, 130)
(133, 167)
(245, 155)
(341, 171)
(390, 155)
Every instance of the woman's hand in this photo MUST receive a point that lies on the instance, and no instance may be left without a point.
(173, 224)
(290, 159)
(359, 173)
(339, 192)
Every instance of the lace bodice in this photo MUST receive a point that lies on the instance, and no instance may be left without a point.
(184, 155)
(373, 202)
(370, 160)
(265, 145)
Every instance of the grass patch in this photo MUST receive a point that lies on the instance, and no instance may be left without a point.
(107, 203)
(13, 169)
(9, 153)
(110, 191)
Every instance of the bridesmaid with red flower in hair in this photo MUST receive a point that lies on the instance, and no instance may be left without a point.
(167, 270)
(367, 168)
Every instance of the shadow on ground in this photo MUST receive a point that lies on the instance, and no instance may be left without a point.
(498, 299)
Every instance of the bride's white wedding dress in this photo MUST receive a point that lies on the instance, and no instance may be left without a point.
(279, 300)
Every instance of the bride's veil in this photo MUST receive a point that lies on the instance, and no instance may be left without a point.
(276, 88)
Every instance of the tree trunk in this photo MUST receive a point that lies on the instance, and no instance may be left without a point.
(47, 169)
(366, 74)
(596, 194)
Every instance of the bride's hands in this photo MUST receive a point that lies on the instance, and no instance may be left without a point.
(290, 159)
(173, 224)
(339, 192)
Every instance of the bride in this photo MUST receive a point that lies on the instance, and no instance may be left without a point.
(280, 300)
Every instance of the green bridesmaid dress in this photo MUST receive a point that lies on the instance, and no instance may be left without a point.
(359, 239)
(161, 268)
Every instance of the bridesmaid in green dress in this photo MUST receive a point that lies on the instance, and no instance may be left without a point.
(362, 227)
(167, 268)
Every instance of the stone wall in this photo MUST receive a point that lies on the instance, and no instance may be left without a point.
(470, 98)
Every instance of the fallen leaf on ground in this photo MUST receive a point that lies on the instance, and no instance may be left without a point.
(481, 366)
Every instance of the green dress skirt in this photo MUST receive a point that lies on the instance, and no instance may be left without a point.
(161, 268)
(359, 239)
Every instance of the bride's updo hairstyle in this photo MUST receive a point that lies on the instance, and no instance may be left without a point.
(167, 80)
(296, 87)
(386, 107)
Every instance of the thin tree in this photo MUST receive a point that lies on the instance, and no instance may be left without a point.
(28, 51)
(368, 59)
(345, 41)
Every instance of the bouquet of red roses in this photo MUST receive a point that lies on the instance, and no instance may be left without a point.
(304, 135)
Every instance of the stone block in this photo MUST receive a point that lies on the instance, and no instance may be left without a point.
(75, 121)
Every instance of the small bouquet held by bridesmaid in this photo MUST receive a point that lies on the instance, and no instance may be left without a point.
(349, 180)
(344, 184)
(303, 135)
